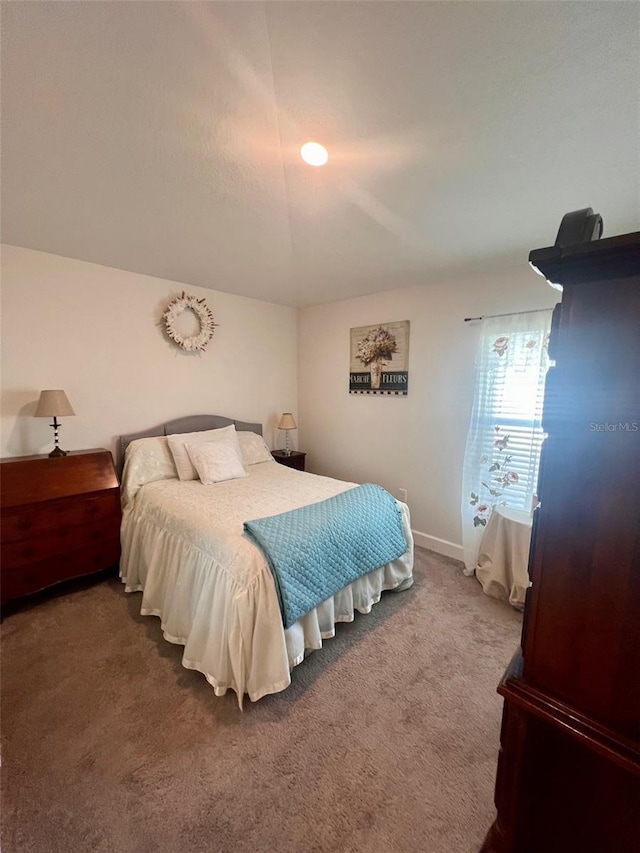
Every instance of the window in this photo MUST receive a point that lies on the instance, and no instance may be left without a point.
(505, 435)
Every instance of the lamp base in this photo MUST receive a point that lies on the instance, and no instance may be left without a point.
(58, 452)
(287, 452)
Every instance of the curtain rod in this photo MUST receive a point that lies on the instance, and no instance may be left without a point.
(509, 314)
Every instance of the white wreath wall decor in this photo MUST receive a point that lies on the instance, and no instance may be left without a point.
(178, 306)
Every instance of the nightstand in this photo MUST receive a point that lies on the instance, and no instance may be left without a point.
(294, 460)
(60, 519)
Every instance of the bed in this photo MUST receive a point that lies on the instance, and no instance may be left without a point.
(185, 548)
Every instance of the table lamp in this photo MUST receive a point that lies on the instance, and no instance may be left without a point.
(286, 423)
(54, 404)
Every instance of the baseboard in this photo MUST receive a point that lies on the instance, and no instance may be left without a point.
(440, 546)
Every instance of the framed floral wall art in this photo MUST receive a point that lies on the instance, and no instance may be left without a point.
(379, 359)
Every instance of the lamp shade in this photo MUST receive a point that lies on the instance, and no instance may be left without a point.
(53, 404)
(287, 421)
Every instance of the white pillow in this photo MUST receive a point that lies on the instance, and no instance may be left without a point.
(254, 448)
(146, 461)
(177, 443)
(216, 461)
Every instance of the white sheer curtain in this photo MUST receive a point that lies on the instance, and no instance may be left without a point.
(505, 433)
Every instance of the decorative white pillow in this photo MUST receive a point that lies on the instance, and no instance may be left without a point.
(146, 460)
(254, 448)
(216, 461)
(177, 444)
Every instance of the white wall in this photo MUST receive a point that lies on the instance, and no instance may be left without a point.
(93, 331)
(417, 442)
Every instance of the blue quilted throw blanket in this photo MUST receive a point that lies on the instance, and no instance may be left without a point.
(318, 549)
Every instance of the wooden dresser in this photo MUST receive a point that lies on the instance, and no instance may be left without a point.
(568, 777)
(60, 519)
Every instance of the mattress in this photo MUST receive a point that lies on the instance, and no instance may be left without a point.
(184, 547)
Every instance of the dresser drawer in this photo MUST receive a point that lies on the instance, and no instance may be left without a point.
(65, 540)
(23, 580)
(27, 522)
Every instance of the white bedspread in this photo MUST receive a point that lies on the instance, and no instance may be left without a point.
(183, 544)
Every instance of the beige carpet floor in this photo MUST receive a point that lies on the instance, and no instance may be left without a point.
(385, 742)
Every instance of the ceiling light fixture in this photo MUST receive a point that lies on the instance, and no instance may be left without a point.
(314, 154)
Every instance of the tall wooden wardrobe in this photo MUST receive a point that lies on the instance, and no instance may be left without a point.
(568, 776)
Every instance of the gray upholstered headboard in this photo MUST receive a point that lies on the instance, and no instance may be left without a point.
(192, 423)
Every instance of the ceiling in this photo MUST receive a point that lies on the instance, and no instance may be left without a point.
(163, 137)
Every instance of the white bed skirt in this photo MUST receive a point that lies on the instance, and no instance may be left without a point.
(234, 635)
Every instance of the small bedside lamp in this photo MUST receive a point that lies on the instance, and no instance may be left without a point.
(54, 404)
(286, 423)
